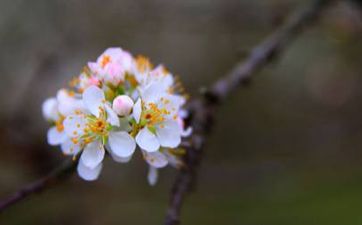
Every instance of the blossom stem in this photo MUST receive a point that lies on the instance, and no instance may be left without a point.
(56, 176)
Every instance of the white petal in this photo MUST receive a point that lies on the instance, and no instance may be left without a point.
(121, 144)
(169, 135)
(137, 110)
(112, 116)
(93, 154)
(152, 176)
(156, 159)
(113, 52)
(69, 148)
(153, 92)
(174, 103)
(50, 109)
(87, 173)
(187, 132)
(67, 105)
(121, 159)
(147, 140)
(74, 125)
(55, 137)
(94, 98)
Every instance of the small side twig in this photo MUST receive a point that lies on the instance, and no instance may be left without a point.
(202, 111)
(59, 174)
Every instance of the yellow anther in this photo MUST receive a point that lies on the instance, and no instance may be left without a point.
(75, 141)
(74, 82)
(143, 63)
(105, 60)
(59, 124)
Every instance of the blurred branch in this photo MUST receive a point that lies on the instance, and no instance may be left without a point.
(59, 174)
(357, 2)
(202, 110)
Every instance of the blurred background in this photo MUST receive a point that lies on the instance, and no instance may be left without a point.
(286, 150)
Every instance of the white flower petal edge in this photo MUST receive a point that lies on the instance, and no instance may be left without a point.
(152, 176)
(155, 159)
(94, 99)
(50, 109)
(137, 110)
(147, 140)
(187, 132)
(89, 174)
(68, 104)
(112, 116)
(170, 134)
(55, 137)
(121, 144)
(69, 148)
(92, 155)
(120, 159)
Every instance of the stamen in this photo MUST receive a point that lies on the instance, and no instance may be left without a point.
(105, 60)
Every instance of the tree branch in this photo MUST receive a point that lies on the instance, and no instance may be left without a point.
(59, 174)
(202, 110)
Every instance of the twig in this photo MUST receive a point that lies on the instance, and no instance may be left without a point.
(59, 174)
(202, 111)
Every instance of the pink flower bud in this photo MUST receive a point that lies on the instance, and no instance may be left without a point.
(123, 105)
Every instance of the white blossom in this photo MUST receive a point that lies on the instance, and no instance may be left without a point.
(116, 104)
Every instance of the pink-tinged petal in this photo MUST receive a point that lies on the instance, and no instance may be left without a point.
(121, 144)
(147, 140)
(93, 154)
(113, 73)
(122, 105)
(89, 174)
(94, 67)
(94, 99)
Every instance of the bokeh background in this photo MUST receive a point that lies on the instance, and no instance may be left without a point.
(286, 150)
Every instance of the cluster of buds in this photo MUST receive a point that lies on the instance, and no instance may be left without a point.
(118, 103)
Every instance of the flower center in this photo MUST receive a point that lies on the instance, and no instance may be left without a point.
(95, 128)
(154, 115)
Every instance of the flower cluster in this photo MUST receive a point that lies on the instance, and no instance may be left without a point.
(118, 103)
